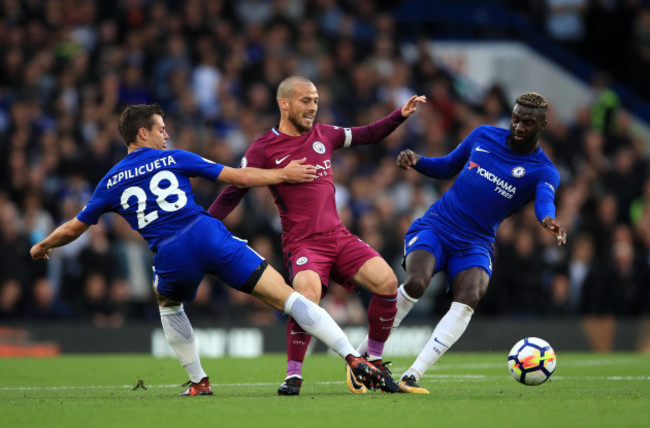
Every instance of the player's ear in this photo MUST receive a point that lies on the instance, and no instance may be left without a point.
(283, 104)
(542, 118)
(142, 133)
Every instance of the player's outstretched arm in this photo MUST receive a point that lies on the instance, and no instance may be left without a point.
(407, 158)
(62, 235)
(441, 168)
(411, 105)
(293, 173)
(377, 131)
(555, 228)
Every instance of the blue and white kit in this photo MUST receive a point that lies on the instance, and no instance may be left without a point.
(493, 182)
(151, 189)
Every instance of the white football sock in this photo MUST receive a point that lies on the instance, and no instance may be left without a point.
(446, 333)
(317, 322)
(404, 305)
(180, 336)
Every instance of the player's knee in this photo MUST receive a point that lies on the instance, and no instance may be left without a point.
(308, 283)
(166, 301)
(388, 284)
(415, 286)
(307, 314)
(310, 295)
(380, 282)
(469, 297)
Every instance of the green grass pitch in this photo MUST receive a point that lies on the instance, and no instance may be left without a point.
(467, 389)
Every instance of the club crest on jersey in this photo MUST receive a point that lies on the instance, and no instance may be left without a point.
(518, 171)
(318, 147)
(301, 261)
(243, 163)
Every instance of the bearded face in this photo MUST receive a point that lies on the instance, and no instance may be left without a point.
(526, 125)
(302, 107)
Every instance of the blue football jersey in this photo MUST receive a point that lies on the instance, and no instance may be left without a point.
(151, 189)
(493, 183)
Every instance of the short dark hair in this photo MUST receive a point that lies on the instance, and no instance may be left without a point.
(285, 88)
(532, 99)
(135, 117)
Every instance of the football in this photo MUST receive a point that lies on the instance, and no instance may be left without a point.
(531, 361)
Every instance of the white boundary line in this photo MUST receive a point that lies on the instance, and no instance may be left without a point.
(73, 387)
(431, 376)
(590, 363)
(434, 378)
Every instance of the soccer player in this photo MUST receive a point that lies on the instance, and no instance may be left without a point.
(151, 189)
(499, 171)
(315, 243)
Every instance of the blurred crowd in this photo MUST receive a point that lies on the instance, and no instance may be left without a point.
(70, 66)
(609, 34)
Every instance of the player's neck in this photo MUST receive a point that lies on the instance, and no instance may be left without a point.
(288, 128)
(524, 149)
(135, 146)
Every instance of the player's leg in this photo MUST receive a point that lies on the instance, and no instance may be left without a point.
(468, 286)
(308, 270)
(222, 254)
(376, 276)
(420, 266)
(176, 279)
(272, 289)
(180, 336)
(423, 254)
(307, 283)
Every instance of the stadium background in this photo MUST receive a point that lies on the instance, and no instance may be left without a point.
(69, 66)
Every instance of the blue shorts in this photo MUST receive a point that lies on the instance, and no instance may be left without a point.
(453, 254)
(202, 247)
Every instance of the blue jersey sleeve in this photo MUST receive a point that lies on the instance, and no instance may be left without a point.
(193, 165)
(447, 166)
(545, 194)
(96, 206)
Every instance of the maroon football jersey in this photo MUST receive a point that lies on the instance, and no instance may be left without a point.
(307, 208)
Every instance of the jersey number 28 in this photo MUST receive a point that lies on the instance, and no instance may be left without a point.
(162, 195)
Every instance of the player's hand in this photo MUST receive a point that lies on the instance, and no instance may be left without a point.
(556, 229)
(407, 158)
(411, 105)
(296, 172)
(38, 253)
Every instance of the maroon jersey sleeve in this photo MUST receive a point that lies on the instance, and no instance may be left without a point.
(232, 195)
(226, 201)
(376, 131)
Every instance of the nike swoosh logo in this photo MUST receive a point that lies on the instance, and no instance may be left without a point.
(435, 339)
(293, 333)
(478, 149)
(279, 161)
(386, 319)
